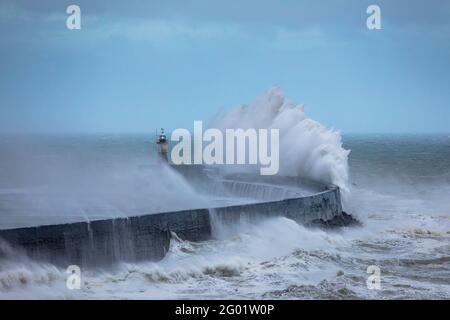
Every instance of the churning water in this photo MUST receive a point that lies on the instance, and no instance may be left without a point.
(396, 185)
(399, 187)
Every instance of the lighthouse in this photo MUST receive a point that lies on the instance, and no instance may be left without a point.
(161, 143)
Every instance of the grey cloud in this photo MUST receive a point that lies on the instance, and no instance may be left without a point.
(292, 14)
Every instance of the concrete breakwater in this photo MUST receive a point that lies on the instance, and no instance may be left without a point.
(147, 237)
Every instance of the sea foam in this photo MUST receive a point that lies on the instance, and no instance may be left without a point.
(307, 148)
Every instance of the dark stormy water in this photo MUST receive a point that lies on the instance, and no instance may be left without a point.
(399, 190)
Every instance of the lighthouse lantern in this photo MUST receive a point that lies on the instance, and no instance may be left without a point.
(162, 146)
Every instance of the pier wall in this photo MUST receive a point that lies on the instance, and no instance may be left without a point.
(147, 237)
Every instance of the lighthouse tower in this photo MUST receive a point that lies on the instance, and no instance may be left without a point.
(162, 145)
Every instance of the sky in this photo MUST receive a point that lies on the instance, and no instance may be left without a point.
(139, 65)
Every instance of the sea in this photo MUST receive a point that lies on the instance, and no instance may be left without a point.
(398, 188)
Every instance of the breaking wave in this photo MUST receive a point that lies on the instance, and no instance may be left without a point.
(307, 148)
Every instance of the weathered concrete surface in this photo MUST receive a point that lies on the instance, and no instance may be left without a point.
(104, 242)
(322, 206)
(147, 237)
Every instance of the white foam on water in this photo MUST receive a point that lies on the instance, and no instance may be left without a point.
(255, 253)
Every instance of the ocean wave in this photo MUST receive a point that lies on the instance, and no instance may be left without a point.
(307, 148)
